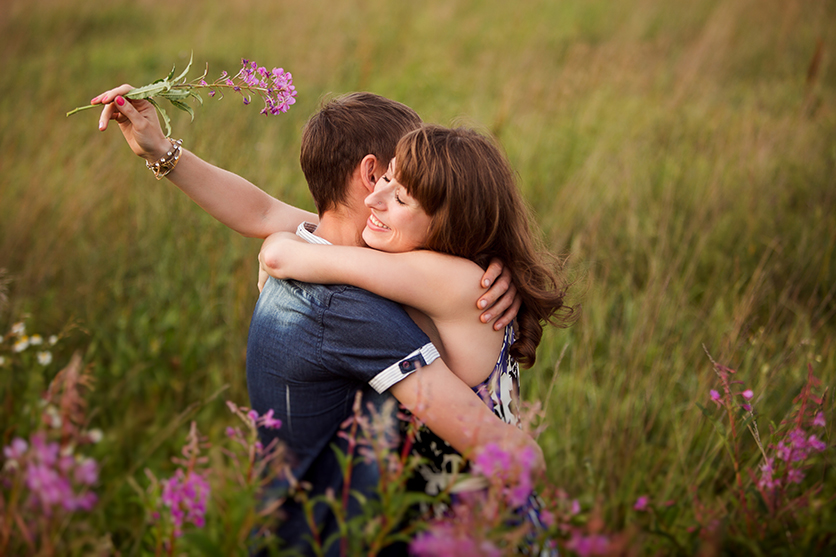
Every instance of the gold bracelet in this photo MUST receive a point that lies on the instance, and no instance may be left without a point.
(166, 164)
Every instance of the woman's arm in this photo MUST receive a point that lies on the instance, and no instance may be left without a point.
(229, 198)
(456, 414)
(436, 284)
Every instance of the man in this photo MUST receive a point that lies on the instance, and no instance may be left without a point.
(312, 347)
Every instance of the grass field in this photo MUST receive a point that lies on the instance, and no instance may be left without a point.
(682, 154)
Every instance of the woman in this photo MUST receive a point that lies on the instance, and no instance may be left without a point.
(447, 204)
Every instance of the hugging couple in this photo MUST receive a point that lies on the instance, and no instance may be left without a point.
(380, 292)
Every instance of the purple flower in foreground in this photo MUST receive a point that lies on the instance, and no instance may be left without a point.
(795, 475)
(715, 397)
(17, 449)
(586, 546)
(186, 495)
(814, 443)
(253, 415)
(818, 421)
(767, 471)
(268, 421)
(491, 461)
(87, 472)
(442, 541)
(45, 453)
(513, 470)
(747, 394)
(641, 503)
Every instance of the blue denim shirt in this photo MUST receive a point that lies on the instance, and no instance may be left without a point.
(310, 349)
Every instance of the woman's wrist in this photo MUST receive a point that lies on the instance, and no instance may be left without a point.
(158, 152)
(164, 164)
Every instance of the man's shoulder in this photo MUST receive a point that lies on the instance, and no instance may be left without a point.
(331, 297)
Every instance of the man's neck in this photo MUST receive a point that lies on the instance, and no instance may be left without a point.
(341, 228)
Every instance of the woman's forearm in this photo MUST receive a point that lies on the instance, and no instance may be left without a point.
(233, 200)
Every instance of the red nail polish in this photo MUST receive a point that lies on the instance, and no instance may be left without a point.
(120, 101)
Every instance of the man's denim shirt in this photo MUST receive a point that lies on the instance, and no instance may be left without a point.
(311, 347)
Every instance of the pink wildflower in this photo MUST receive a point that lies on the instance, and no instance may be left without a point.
(253, 415)
(586, 546)
(17, 449)
(795, 475)
(814, 443)
(512, 470)
(87, 472)
(186, 495)
(268, 421)
(747, 394)
(442, 541)
(818, 421)
(766, 481)
(715, 397)
(491, 461)
(641, 503)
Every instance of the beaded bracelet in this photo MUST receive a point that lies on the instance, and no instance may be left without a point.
(166, 164)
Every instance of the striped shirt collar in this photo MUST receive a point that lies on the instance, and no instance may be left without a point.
(306, 231)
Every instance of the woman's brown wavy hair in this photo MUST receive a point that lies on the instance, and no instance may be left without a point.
(464, 182)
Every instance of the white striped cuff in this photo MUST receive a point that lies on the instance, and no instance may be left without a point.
(424, 356)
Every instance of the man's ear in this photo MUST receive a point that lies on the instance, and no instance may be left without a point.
(368, 167)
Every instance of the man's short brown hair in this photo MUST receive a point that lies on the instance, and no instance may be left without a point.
(345, 130)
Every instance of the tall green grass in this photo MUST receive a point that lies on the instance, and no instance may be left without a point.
(682, 155)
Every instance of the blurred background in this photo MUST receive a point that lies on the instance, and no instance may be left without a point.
(682, 154)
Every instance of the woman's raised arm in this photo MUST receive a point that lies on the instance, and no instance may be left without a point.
(229, 198)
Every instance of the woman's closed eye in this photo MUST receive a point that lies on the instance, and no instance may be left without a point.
(398, 198)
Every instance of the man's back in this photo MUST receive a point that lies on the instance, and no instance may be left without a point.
(310, 349)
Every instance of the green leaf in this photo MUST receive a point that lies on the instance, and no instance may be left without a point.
(183, 75)
(175, 93)
(166, 119)
(171, 73)
(183, 106)
(196, 95)
(705, 411)
(148, 91)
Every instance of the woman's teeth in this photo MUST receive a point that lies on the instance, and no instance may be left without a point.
(377, 222)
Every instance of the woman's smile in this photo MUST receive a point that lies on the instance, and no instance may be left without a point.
(376, 222)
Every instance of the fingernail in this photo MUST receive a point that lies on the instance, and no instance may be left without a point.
(93, 100)
(101, 126)
(120, 101)
(483, 303)
(486, 283)
(487, 317)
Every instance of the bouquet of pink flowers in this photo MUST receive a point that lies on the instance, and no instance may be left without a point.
(275, 87)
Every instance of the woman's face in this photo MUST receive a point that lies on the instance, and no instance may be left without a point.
(398, 222)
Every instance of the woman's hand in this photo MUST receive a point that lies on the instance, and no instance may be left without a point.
(137, 120)
(501, 299)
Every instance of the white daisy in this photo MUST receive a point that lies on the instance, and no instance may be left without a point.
(45, 358)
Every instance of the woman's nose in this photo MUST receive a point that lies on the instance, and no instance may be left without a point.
(374, 199)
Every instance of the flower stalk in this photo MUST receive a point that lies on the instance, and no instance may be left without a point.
(275, 87)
